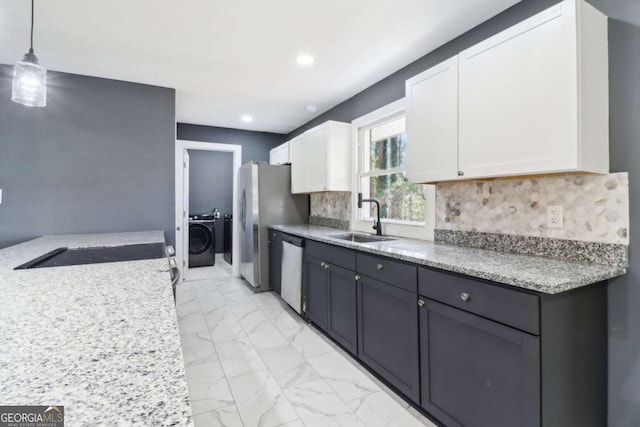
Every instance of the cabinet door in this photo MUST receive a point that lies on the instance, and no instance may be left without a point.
(388, 334)
(298, 165)
(317, 292)
(316, 164)
(275, 266)
(342, 325)
(476, 372)
(279, 155)
(432, 123)
(518, 99)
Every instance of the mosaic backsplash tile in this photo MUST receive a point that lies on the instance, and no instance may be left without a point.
(595, 207)
(334, 205)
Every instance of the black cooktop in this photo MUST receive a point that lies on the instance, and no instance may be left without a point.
(80, 256)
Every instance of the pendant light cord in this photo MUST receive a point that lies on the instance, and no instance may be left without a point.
(31, 48)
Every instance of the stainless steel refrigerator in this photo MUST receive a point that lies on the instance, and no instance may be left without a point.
(265, 199)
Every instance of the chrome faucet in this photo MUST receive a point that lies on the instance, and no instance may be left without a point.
(376, 225)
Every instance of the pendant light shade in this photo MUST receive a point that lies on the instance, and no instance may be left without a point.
(29, 78)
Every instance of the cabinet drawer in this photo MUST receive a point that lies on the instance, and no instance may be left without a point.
(511, 307)
(384, 269)
(332, 254)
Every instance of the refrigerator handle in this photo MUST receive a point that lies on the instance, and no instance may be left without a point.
(243, 202)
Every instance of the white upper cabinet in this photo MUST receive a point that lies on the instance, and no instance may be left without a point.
(320, 159)
(432, 123)
(531, 100)
(280, 155)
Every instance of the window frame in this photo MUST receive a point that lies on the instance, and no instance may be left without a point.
(423, 231)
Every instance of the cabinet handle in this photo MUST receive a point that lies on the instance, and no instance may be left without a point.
(322, 264)
(357, 277)
(460, 173)
(326, 266)
(420, 302)
(465, 296)
(379, 266)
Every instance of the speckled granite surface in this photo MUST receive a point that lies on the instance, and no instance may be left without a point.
(570, 250)
(100, 339)
(523, 271)
(340, 224)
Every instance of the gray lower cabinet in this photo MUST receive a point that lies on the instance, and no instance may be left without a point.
(331, 292)
(317, 291)
(342, 321)
(275, 265)
(476, 372)
(493, 355)
(388, 334)
(470, 352)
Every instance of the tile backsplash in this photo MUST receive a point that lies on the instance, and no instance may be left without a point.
(595, 207)
(331, 209)
(334, 205)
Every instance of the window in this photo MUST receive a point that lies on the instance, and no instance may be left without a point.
(380, 146)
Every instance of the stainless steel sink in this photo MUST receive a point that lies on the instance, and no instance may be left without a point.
(360, 238)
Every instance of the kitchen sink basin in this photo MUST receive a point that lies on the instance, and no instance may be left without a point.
(361, 238)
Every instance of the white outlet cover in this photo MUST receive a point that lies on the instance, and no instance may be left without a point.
(554, 216)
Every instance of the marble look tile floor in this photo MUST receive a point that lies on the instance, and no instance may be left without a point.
(252, 361)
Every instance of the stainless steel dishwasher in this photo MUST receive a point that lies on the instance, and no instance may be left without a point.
(291, 285)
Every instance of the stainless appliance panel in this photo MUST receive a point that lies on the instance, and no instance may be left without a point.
(266, 199)
(247, 177)
(292, 257)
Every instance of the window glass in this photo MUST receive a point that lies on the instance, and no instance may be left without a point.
(399, 200)
(384, 146)
(383, 161)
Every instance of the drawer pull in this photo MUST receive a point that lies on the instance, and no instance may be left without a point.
(420, 302)
(357, 277)
(322, 264)
(326, 266)
(379, 266)
(465, 296)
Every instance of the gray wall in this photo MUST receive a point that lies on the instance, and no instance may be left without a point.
(211, 186)
(624, 292)
(98, 158)
(255, 145)
(624, 65)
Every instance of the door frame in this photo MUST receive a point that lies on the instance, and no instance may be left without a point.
(182, 253)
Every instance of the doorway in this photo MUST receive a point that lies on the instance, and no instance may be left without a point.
(182, 169)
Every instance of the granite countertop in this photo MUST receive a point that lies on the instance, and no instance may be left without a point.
(100, 339)
(539, 274)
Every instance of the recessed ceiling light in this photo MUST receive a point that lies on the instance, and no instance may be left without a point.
(246, 118)
(312, 108)
(304, 60)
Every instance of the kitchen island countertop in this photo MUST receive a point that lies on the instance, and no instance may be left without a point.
(534, 273)
(100, 339)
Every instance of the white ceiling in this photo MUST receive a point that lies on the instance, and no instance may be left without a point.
(235, 57)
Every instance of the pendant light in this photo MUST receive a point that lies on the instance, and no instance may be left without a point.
(29, 78)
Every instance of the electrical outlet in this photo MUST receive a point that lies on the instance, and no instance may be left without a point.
(554, 216)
